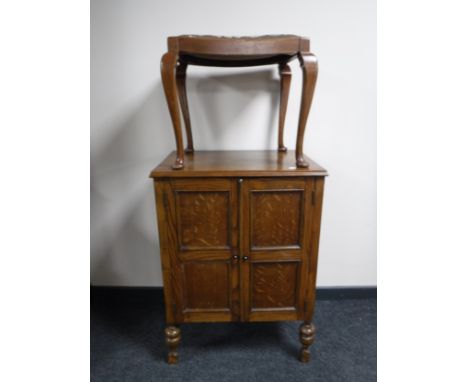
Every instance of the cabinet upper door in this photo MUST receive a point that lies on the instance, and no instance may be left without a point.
(275, 231)
(204, 237)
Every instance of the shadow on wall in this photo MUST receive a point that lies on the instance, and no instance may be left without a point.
(124, 240)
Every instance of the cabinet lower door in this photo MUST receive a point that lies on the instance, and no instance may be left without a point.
(204, 242)
(274, 256)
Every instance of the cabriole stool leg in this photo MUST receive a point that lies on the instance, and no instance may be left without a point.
(309, 76)
(168, 76)
(285, 75)
(181, 74)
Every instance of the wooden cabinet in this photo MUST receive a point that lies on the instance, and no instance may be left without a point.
(239, 235)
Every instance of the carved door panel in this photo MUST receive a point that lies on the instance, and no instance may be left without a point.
(204, 237)
(274, 256)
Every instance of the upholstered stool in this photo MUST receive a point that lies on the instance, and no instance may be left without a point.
(235, 52)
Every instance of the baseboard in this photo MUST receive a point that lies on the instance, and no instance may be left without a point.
(346, 293)
(323, 293)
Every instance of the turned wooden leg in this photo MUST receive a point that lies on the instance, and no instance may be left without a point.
(181, 76)
(168, 75)
(172, 341)
(285, 73)
(307, 336)
(309, 76)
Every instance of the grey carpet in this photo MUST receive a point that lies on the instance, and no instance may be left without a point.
(127, 344)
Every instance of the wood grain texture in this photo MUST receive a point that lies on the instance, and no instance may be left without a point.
(263, 163)
(273, 285)
(207, 286)
(275, 218)
(203, 219)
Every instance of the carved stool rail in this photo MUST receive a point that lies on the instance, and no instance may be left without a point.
(236, 52)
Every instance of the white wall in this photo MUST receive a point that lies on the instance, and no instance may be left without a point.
(131, 130)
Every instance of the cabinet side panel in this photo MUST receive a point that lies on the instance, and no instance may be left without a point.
(317, 183)
(160, 191)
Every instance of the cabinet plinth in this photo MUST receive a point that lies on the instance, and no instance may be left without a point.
(239, 234)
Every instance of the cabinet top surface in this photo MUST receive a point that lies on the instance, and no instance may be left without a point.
(237, 163)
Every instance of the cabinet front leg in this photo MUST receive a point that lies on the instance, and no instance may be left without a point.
(172, 342)
(307, 336)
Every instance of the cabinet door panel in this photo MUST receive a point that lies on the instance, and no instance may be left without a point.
(274, 266)
(274, 285)
(275, 219)
(207, 285)
(205, 240)
(203, 219)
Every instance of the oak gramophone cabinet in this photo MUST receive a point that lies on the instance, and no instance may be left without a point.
(239, 230)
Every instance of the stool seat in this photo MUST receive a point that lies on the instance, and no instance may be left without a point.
(237, 51)
(225, 51)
